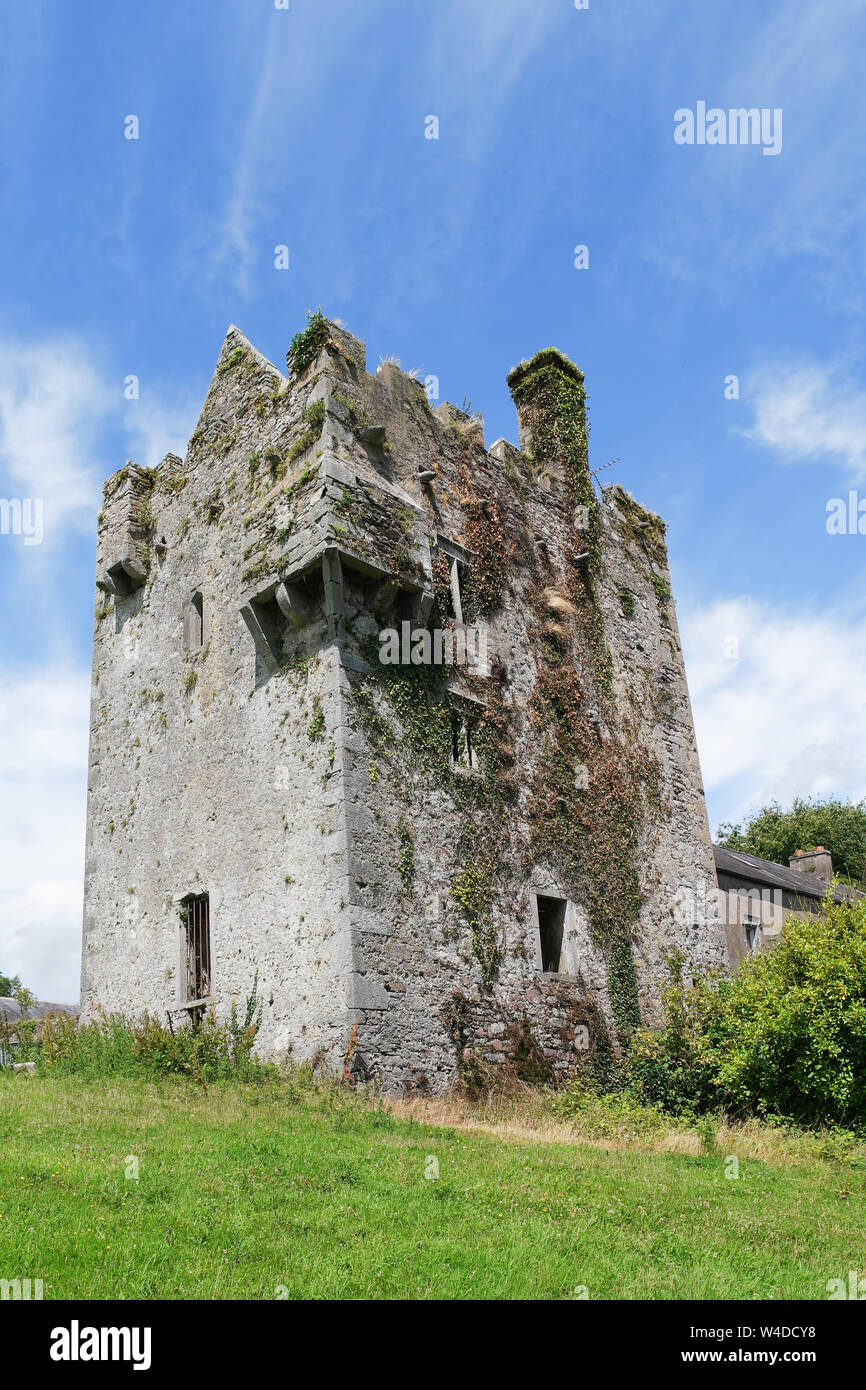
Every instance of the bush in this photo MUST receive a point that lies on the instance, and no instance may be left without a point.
(786, 1036)
(112, 1045)
(610, 1116)
(792, 1030)
(675, 1068)
(308, 343)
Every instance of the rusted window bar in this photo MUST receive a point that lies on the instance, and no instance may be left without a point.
(198, 947)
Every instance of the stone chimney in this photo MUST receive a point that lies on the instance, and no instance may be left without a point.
(814, 861)
(549, 394)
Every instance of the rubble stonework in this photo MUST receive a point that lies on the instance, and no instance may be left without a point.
(373, 840)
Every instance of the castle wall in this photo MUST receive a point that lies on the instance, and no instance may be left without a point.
(364, 874)
(208, 771)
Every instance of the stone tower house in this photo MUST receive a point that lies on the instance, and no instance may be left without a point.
(477, 866)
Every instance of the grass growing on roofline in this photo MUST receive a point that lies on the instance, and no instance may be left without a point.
(244, 1191)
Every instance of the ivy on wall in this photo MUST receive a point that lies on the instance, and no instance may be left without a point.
(423, 707)
(489, 549)
(591, 783)
(550, 396)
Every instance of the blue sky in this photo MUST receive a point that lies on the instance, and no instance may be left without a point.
(306, 127)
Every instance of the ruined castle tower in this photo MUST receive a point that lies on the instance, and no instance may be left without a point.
(474, 865)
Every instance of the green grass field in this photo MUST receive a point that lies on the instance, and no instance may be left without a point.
(245, 1188)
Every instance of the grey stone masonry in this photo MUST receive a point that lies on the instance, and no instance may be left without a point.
(468, 869)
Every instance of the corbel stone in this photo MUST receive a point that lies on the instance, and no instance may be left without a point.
(293, 603)
(262, 627)
(126, 574)
(332, 579)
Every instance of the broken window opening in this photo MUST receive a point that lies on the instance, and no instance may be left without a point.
(551, 928)
(197, 931)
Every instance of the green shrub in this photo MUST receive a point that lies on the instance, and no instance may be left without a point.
(786, 1036)
(675, 1068)
(791, 1030)
(308, 343)
(612, 1116)
(111, 1045)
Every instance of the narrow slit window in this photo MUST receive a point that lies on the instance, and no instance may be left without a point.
(456, 750)
(455, 604)
(198, 968)
(193, 624)
(463, 755)
(551, 926)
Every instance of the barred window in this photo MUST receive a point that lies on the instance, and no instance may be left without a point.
(197, 928)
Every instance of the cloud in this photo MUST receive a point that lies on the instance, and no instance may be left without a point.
(43, 783)
(53, 403)
(779, 702)
(801, 62)
(809, 412)
(64, 427)
(468, 62)
(496, 42)
(716, 215)
(58, 409)
(156, 426)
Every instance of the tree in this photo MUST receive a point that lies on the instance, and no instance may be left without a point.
(12, 988)
(775, 834)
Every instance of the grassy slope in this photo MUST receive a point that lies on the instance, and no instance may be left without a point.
(246, 1188)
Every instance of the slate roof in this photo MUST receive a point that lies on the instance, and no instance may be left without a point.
(12, 1011)
(804, 885)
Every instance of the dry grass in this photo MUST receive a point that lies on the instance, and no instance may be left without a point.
(558, 603)
(523, 1113)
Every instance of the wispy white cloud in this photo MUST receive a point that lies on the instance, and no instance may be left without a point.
(61, 416)
(477, 73)
(801, 61)
(779, 702)
(718, 213)
(809, 411)
(468, 64)
(58, 407)
(234, 247)
(53, 404)
(159, 424)
(43, 780)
